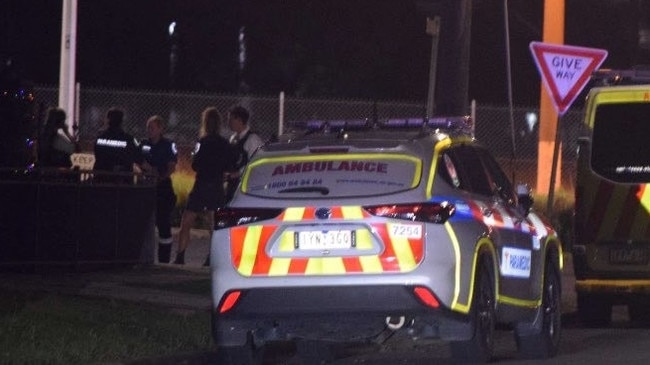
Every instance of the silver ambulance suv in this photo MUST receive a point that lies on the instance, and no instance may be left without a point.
(354, 231)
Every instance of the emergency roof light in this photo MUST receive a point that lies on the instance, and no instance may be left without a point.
(458, 124)
(634, 76)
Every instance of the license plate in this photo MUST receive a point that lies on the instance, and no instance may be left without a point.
(628, 256)
(324, 240)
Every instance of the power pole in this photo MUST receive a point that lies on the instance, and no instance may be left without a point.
(67, 69)
(549, 154)
(452, 85)
(433, 29)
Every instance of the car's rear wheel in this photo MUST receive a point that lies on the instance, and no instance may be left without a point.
(594, 310)
(480, 347)
(545, 343)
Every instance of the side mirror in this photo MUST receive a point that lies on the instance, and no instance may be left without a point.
(524, 198)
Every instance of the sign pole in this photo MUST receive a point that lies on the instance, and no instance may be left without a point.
(554, 168)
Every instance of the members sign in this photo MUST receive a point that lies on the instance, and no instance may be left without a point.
(565, 70)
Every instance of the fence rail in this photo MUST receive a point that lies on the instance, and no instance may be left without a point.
(57, 218)
(182, 112)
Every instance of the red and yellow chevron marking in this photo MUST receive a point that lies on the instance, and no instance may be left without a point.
(250, 256)
(613, 211)
(503, 218)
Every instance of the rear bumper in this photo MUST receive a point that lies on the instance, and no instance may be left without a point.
(591, 265)
(334, 314)
(613, 286)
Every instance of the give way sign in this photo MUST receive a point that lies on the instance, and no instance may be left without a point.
(565, 70)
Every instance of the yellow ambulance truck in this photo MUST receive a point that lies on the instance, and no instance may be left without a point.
(611, 250)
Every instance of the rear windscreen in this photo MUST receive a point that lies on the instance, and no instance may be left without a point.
(621, 142)
(331, 176)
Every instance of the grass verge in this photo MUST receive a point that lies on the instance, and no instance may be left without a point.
(47, 328)
(196, 287)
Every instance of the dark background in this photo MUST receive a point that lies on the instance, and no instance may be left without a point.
(374, 49)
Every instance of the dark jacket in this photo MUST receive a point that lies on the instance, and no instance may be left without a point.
(116, 151)
(159, 155)
(48, 154)
(212, 157)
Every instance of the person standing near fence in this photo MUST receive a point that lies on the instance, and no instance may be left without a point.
(116, 150)
(211, 159)
(160, 158)
(55, 143)
(245, 142)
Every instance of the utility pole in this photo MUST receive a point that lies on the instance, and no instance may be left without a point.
(67, 69)
(549, 161)
(433, 29)
(454, 36)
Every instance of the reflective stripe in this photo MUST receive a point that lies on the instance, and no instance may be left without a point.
(111, 142)
(457, 256)
(165, 241)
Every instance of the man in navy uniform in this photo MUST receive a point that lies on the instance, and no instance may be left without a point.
(116, 150)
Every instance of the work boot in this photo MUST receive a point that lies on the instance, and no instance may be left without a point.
(207, 261)
(180, 258)
(164, 253)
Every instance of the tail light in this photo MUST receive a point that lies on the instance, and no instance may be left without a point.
(230, 217)
(420, 212)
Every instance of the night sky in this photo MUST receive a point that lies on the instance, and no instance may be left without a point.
(315, 48)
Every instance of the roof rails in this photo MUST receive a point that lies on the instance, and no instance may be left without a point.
(459, 124)
(634, 76)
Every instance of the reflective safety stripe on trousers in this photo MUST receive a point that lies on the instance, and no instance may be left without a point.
(251, 258)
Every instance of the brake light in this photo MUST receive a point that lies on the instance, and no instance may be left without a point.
(426, 296)
(230, 217)
(420, 212)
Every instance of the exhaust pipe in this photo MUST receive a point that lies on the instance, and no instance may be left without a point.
(395, 325)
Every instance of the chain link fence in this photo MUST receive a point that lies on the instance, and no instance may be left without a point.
(182, 110)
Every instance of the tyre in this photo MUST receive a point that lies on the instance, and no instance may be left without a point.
(594, 310)
(480, 347)
(545, 344)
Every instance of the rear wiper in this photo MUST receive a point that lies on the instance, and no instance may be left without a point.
(307, 189)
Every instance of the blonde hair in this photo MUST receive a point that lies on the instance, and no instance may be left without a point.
(210, 122)
(156, 119)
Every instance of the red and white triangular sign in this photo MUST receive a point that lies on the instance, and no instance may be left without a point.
(565, 70)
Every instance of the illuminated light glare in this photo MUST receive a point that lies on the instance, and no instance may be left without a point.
(172, 28)
(531, 120)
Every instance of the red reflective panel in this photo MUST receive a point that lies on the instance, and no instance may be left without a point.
(230, 301)
(426, 296)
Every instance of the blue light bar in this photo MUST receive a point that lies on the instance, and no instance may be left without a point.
(636, 75)
(312, 125)
(462, 124)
